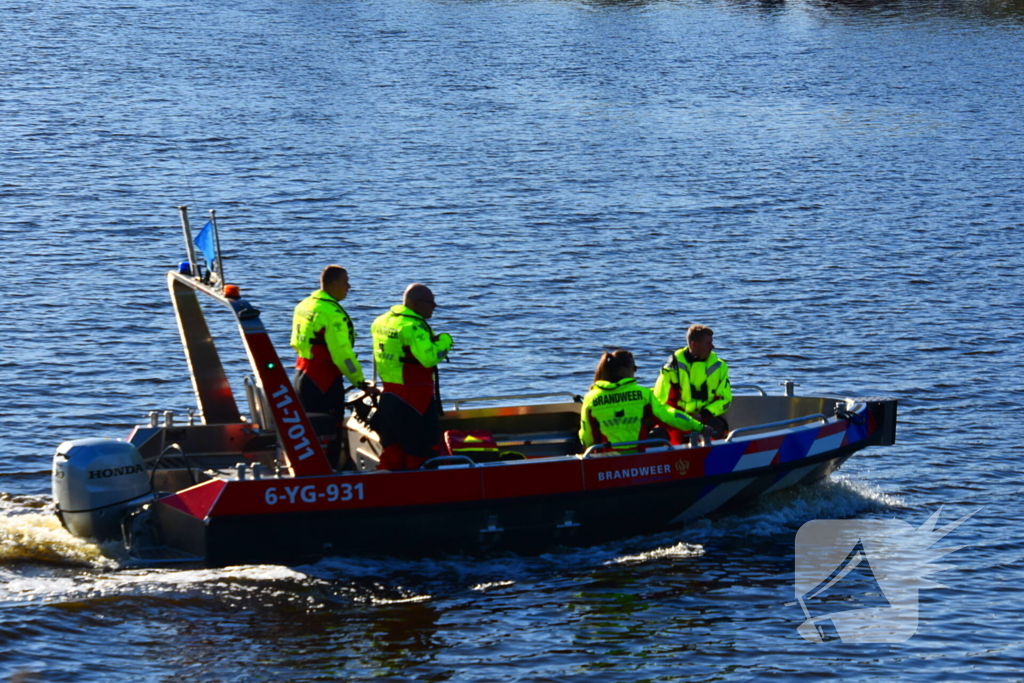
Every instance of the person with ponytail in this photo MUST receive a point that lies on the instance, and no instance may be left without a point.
(617, 409)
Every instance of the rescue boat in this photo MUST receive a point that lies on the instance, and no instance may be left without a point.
(228, 488)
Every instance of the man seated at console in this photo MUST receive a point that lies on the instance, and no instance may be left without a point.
(696, 381)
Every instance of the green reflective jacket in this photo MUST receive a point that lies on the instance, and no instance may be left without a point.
(405, 349)
(322, 332)
(693, 385)
(615, 412)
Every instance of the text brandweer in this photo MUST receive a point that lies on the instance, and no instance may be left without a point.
(634, 472)
(605, 399)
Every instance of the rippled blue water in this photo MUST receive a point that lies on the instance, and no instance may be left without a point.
(835, 187)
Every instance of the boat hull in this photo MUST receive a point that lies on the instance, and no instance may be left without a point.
(522, 506)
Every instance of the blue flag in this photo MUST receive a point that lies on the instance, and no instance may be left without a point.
(204, 240)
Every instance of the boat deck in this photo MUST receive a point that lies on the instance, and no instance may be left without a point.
(189, 454)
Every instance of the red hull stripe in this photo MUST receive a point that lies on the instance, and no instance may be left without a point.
(833, 428)
(352, 492)
(772, 443)
(376, 490)
(646, 468)
(523, 478)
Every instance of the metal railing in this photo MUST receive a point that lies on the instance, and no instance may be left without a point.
(780, 423)
(532, 442)
(514, 397)
(620, 444)
(457, 402)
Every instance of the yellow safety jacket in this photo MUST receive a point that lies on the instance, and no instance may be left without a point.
(323, 336)
(621, 411)
(693, 385)
(407, 352)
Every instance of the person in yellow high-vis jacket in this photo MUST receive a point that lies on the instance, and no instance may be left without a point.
(618, 410)
(323, 337)
(407, 352)
(696, 381)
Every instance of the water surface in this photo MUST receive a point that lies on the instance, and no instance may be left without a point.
(834, 187)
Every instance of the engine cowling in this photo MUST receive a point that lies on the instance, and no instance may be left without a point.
(96, 482)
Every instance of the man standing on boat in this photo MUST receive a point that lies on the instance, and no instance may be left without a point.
(323, 336)
(696, 381)
(407, 353)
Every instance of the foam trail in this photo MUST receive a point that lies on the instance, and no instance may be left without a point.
(229, 583)
(836, 497)
(33, 537)
(677, 551)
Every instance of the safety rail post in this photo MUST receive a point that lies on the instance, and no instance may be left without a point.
(190, 248)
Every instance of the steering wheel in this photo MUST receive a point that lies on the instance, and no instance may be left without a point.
(363, 403)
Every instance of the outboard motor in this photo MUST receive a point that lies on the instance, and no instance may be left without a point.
(95, 483)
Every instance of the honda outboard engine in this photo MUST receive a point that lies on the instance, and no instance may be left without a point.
(95, 483)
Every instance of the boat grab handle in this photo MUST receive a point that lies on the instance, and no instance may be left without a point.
(759, 390)
(456, 402)
(453, 459)
(781, 423)
(604, 446)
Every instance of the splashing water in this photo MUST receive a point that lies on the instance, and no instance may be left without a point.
(33, 537)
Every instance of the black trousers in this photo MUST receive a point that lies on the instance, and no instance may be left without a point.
(397, 422)
(314, 401)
